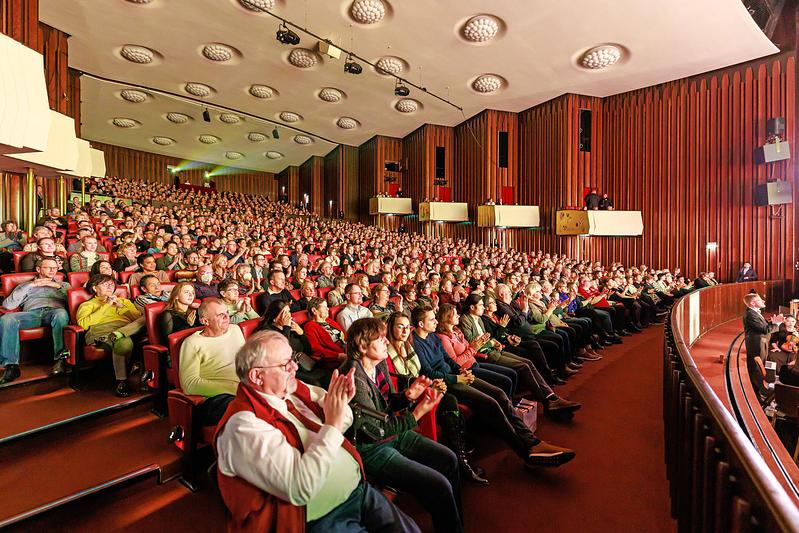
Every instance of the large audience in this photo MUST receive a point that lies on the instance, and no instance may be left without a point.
(362, 333)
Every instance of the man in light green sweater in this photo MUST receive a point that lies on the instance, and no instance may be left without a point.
(207, 361)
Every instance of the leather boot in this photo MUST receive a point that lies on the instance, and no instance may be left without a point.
(454, 433)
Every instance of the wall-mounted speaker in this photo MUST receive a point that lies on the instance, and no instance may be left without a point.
(770, 153)
(774, 193)
(502, 149)
(441, 163)
(776, 127)
(584, 133)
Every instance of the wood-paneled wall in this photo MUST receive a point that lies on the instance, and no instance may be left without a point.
(249, 182)
(289, 178)
(341, 181)
(372, 157)
(312, 183)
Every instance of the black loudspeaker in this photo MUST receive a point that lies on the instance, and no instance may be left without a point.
(776, 127)
(502, 144)
(774, 193)
(584, 133)
(441, 162)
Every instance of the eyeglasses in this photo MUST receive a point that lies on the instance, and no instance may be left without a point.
(295, 357)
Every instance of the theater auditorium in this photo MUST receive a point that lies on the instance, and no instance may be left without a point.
(399, 266)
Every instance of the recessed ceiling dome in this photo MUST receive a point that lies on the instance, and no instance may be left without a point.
(229, 118)
(368, 11)
(481, 28)
(137, 54)
(134, 96)
(218, 52)
(600, 57)
(329, 94)
(303, 58)
(302, 139)
(261, 91)
(234, 155)
(288, 116)
(208, 139)
(257, 5)
(256, 137)
(487, 83)
(347, 123)
(274, 155)
(407, 105)
(140, 1)
(177, 118)
(124, 122)
(163, 141)
(199, 89)
(390, 65)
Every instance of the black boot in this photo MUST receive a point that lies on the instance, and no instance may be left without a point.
(454, 434)
(12, 372)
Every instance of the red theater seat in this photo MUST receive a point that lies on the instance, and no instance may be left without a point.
(7, 284)
(77, 279)
(300, 317)
(181, 405)
(322, 291)
(74, 335)
(18, 260)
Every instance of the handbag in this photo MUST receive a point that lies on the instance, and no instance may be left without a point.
(304, 361)
(527, 410)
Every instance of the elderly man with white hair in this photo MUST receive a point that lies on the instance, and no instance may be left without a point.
(284, 464)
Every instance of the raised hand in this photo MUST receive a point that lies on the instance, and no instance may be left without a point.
(418, 387)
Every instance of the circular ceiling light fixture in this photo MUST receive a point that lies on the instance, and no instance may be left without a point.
(288, 116)
(368, 11)
(600, 57)
(480, 28)
(198, 89)
(208, 139)
(219, 52)
(137, 54)
(140, 1)
(163, 141)
(303, 58)
(234, 155)
(257, 5)
(487, 83)
(229, 118)
(329, 94)
(274, 155)
(177, 118)
(407, 105)
(261, 91)
(390, 65)
(132, 95)
(303, 139)
(121, 122)
(256, 137)
(347, 123)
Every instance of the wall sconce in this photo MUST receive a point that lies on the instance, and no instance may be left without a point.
(711, 246)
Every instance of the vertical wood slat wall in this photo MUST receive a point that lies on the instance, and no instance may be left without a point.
(341, 181)
(312, 183)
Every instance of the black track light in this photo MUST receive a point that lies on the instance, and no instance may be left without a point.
(275, 134)
(401, 90)
(286, 36)
(206, 115)
(352, 67)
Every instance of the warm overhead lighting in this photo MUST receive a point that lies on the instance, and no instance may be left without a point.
(286, 36)
(206, 115)
(400, 90)
(600, 57)
(275, 134)
(352, 67)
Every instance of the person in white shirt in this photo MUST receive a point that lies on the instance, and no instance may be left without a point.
(284, 464)
(353, 310)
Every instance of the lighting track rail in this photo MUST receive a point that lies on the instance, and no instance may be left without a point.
(350, 54)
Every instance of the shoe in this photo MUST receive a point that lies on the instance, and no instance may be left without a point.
(636, 329)
(470, 473)
(623, 333)
(616, 340)
(122, 390)
(12, 372)
(597, 346)
(555, 380)
(59, 368)
(568, 372)
(545, 454)
(592, 356)
(609, 341)
(561, 405)
(574, 365)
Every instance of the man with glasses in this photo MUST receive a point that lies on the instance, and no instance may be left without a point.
(281, 448)
(353, 310)
(207, 361)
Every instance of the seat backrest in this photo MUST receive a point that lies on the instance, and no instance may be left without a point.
(787, 398)
(124, 276)
(295, 293)
(77, 296)
(18, 260)
(334, 311)
(151, 314)
(77, 279)
(9, 281)
(174, 343)
(300, 317)
(322, 291)
(248, 327)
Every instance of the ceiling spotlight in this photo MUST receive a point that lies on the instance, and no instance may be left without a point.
(352, 67)
(206, 115)
(275, 134)
(286, 36)
(400, 90)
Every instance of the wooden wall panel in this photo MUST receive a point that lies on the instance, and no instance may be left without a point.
(289, 178)
(372, 157)
(248, 182)
(19, 19)
(341, 181)
(311, 182)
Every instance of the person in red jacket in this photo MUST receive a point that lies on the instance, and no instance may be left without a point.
(325, 335)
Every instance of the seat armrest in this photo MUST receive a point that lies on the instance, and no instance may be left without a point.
(181, 408)
(156, 360)
(73, 341)
(427, 424)
(4, 311)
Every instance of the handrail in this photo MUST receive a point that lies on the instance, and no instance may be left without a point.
(709, 457)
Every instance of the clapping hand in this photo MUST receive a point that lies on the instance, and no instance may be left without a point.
(339, 394)
(504, 321)
(430, 397)
(416, 388)
(777, 319)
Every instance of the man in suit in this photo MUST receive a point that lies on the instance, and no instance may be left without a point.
(757, 331)
(746, 273)
(592, 201)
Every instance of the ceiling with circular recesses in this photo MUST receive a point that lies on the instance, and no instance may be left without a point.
(506, 55)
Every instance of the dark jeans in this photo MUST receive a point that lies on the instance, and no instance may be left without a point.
(499, 376)
(494, 409)
(417, 465)
(365, 510)
(210, 412)
(529, 377)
